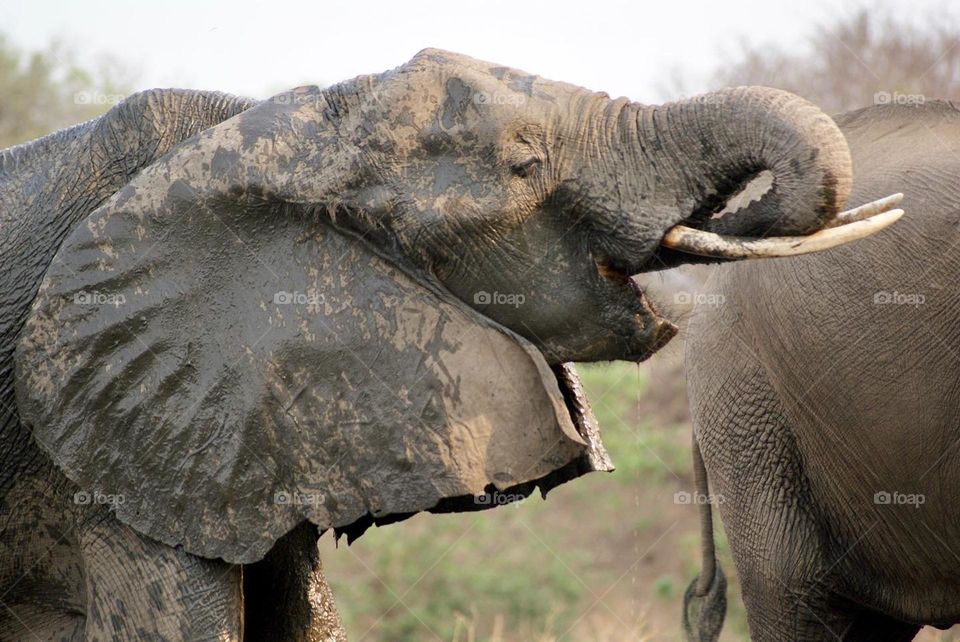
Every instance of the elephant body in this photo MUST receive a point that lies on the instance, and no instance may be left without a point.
(828, 409)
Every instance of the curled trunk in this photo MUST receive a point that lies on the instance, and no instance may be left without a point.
(711, 146)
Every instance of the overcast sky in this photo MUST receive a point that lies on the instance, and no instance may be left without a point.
(257, 48)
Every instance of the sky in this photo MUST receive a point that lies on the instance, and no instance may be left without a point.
(257, 48)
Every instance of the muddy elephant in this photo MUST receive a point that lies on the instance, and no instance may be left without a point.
(826, 405)
(227, 326)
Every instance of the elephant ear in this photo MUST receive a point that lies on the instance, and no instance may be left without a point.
(222, 364)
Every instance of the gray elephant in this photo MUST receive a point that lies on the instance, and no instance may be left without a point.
(826, 405)
(227, 325)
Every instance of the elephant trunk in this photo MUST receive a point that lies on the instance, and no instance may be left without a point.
(704, 150)
(721, 140)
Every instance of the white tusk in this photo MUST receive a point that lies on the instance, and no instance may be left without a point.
(866, 211)
(693, 241)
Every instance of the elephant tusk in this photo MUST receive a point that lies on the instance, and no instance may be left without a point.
(867, 210)
(858, 223)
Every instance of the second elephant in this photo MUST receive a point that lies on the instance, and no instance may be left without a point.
(825, 392)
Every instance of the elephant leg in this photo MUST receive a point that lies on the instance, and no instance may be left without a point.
(139, 589)
(757, 478)
(786, 566)
(782, 606)
(286, 594)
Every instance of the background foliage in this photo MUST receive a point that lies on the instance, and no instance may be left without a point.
(42, 91)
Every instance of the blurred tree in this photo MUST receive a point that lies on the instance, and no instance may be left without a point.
(865, 58)
(43, 91)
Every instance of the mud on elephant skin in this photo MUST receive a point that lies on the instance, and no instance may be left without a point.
(229, 325)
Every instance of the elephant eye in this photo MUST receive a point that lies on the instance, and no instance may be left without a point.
(525, 168)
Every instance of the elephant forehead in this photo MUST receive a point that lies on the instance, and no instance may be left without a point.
(454, 64)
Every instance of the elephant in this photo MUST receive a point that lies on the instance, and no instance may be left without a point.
(228, 325)
(824, 397)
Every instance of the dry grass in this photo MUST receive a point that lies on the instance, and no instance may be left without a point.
(591, 629)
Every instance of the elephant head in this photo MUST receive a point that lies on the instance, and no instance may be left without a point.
(343, 304)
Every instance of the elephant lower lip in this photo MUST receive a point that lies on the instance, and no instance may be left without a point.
(648, 331)
(657, 329)
(663, 333)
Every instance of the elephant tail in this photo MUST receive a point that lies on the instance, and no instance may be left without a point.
(705, 602)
